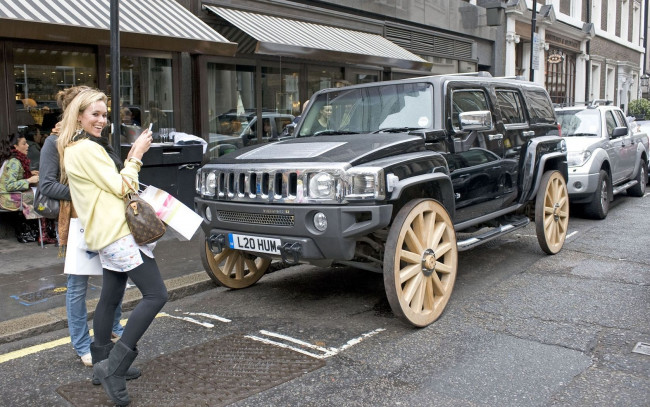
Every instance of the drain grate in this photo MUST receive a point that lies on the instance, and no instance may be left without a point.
(39, 296)
(214, 373)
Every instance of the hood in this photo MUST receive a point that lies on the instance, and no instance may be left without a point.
(581, 143)
(354, 149)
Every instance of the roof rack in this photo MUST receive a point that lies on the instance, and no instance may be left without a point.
(600, 102)
(478, 73)
(515, 77)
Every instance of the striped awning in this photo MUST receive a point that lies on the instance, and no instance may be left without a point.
(282, 36)
(162, 25)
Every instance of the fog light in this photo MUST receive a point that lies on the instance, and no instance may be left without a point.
(208, 214)
(577, 184)
(320, 221)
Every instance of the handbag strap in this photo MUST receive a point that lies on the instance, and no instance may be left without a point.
(126, 193)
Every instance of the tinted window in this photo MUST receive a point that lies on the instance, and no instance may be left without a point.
(540, 108)
(510, 106)
(467, 101)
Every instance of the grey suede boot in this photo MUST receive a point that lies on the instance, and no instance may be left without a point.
(100, 353)
(111, 371)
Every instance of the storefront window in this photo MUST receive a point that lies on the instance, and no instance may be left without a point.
(39, 74)
(146, 95)
(324, 77)
(231, 108)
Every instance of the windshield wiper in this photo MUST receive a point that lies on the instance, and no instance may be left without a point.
(334, 132)
(582, 134)
(396, 129)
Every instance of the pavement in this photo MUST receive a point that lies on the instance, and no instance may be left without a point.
(33, 286)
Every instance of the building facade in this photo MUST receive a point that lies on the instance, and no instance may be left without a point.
(206, 67)
(582, 49)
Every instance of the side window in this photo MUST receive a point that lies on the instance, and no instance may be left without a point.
(610, 121)
(469, 100)
(622, 122)
(540, 107)
(511, 107)
(281, 123)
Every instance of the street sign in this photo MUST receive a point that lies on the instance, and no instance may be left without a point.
(535, 51)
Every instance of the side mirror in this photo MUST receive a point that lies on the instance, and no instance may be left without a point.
(619, 132)
(479, 120)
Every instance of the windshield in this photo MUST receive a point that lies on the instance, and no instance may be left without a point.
(379, 108)
(584, 122)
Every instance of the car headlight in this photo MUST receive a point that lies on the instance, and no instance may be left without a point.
(322, 186)
(578, 158)
(365, 183)
(209, 183)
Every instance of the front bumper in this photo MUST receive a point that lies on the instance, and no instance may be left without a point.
(581, 182)
(293, 225)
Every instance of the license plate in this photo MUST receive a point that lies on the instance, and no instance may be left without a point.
(254, 243)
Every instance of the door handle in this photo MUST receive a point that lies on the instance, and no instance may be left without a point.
(530, 133)
(497, 136)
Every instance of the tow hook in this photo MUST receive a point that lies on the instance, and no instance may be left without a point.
(217, 243)
(293, 250)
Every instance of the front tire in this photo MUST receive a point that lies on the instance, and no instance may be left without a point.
(420, 262)
(599, 205)
(552, 212)
(233, 268)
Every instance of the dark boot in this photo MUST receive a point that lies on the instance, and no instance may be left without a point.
(100, 353)
(111, 372)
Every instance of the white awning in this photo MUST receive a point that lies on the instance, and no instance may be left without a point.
(151, 24)
(287, 37)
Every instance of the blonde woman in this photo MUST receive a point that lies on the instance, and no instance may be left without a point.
(97, 189)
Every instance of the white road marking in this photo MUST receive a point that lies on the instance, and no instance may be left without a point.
(188, 319)
(326, 352)
(210, 316)
(571, 234)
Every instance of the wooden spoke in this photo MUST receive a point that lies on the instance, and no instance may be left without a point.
(420, 262)
(233, 268)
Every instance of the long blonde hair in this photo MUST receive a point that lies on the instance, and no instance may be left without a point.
(70, 123)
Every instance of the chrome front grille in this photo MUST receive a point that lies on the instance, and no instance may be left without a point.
(255, 218)
(264, 185)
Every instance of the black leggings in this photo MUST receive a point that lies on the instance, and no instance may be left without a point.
(154, 296)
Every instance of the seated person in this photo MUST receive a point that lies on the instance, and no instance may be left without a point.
(16, 180)
(126, 115)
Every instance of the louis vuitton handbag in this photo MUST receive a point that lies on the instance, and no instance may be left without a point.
(145, 226)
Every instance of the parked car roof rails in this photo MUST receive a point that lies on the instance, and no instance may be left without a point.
(481, 74)
(515, 77)
(600, 102)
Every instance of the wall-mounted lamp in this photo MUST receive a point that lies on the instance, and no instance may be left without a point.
(645, 80)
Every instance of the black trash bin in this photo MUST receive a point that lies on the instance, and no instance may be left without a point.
(171, 168)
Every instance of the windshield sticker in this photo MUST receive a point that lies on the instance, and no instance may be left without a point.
(288, 150)
(423, 121)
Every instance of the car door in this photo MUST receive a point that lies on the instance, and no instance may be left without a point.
(628, 147)
(616, 147)
(476, 168)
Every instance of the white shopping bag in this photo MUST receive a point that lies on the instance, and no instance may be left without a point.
(78, 259)
(172, 211)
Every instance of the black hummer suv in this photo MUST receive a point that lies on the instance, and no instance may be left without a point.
(395, 177)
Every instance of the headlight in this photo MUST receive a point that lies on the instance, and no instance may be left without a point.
(322, 186)
(365, 183)
(209, 183)
(577, 158)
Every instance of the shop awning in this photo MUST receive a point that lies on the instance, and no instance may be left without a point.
(162, 25)
(286, 37)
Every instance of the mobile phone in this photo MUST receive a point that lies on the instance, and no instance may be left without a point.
(150, 126)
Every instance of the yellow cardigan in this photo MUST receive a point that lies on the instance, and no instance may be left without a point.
(96, 190)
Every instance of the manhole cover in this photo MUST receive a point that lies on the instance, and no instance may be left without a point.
(214, 373)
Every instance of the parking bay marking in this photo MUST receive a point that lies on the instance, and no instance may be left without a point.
(326, 352)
